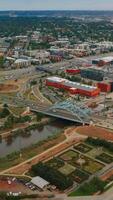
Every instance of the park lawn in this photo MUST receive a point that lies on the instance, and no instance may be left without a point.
(16, 110)
(69, 155)
(55, 163)
(83, 148)
(95, 152)
(6, 163)
(104, 157)
(95, 185)
(79, 176)
(79, 192)
(92, 166)
(67, 169)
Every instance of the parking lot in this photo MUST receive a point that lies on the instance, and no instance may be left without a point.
(20, 185)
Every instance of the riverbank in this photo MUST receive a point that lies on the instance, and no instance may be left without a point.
(22, 128)
(27, 153)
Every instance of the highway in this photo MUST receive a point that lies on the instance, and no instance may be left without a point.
(31, 73)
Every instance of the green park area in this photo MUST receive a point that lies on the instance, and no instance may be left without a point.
(27, 153)
(55, 163)
(74, 165)
(95, 185)
(106, 158)
(83, 148)
(77, 164)
(67, 169)
(81, 161)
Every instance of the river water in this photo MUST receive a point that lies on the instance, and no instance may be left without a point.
(18, 142)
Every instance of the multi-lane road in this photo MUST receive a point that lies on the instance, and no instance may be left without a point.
(31, 73)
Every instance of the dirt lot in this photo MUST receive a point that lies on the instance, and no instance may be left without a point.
(93, 131)
(18, 82)
(107, 175)
(4, 88)
(13, 187)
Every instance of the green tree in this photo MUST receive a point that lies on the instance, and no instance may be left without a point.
(52, 175)
(4, 113)
(1, 61)
(9, 122)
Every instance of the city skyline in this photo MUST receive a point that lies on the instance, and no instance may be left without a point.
(56, 5)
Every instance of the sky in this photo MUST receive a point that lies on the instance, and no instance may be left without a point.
(56, 4)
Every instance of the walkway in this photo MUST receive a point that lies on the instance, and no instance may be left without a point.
(26, 165)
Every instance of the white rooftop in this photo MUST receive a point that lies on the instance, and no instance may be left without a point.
(71, 83)
(105, 59)
(39, 182)
(21, 61)
(56, 79)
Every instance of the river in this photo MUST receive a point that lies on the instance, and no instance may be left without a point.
(18, 142)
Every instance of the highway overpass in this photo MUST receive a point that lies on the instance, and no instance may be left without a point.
(67, 110)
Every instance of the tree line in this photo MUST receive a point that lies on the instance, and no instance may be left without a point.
(51, 175)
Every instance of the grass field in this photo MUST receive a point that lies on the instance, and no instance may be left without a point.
(104, 157)
(89, 165)
(95, 152)
(69, 155)
(55, 163)
(67, 169)
(79, 176)
(95, 185)
(27, 153)
(83, 148)
(17, 110)
(92, 166)
(74, 158)
(78, 166)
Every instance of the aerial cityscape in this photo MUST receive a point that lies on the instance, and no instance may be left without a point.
(56, 100)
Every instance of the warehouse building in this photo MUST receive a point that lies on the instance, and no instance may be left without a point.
(103, 61)
(93, 74)
(40, 182)
(72, 87)
(104, 86)
(19, 63)
(73, 71)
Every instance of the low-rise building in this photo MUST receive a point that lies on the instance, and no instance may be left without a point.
(72, 87)
(22, 63)
(40, 182)
(103, 61)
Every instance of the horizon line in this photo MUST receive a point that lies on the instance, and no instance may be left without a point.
(5, 10)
